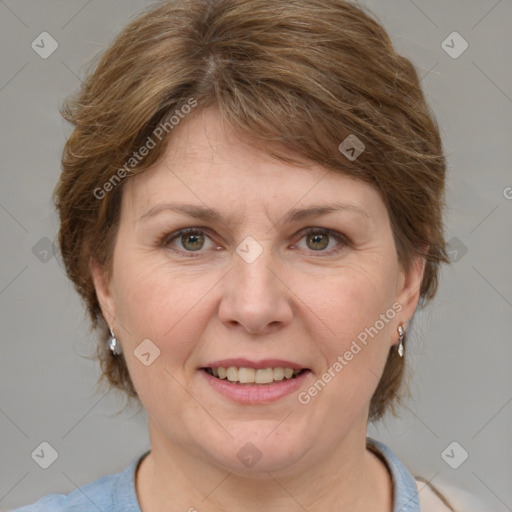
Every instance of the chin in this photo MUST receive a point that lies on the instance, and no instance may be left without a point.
(254, 452)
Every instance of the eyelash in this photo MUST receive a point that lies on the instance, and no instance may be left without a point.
(342, 240)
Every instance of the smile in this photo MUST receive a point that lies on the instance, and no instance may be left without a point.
(246, 385)
(248, 376)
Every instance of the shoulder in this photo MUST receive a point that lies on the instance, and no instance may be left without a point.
(114, 492)
(418, 494)
(444, 497)
(93, 496)
(431, 499)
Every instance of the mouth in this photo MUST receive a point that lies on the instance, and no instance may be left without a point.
(245, 381)
(247, 376)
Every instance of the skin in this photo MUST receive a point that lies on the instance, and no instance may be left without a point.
(296, 302)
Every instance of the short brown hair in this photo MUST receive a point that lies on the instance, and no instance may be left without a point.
(297, 78)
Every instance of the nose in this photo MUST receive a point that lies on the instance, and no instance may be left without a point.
(255, 298)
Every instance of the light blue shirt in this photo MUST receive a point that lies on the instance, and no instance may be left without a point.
(116, 493)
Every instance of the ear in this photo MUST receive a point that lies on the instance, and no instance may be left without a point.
(408, 292)
(101, 281)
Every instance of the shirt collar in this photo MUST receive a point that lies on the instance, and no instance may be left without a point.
(405, 491)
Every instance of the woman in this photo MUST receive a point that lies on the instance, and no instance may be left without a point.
(251, 208)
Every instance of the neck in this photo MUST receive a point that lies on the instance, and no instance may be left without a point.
(349, 478)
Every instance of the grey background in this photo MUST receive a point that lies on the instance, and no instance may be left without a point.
(460, 352)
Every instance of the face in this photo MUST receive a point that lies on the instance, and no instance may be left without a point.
(226, 258)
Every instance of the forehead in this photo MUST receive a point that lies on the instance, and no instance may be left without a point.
(208, 164)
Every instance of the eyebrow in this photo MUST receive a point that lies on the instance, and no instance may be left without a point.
(294, 215)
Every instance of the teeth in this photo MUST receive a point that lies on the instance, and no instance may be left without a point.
(264, 376)
(278, 373)
(232, 374)
(245, 375)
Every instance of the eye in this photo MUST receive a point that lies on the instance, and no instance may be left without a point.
(323, 240)
(188, 240)
(196, 240)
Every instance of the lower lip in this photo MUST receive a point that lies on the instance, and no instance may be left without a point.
(258, 393)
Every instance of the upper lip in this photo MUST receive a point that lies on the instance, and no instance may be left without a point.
(247, 363)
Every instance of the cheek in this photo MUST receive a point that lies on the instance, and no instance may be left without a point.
(356, 310)
(353, 340)
(156, 304)
(356, 299)
(155, 301)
